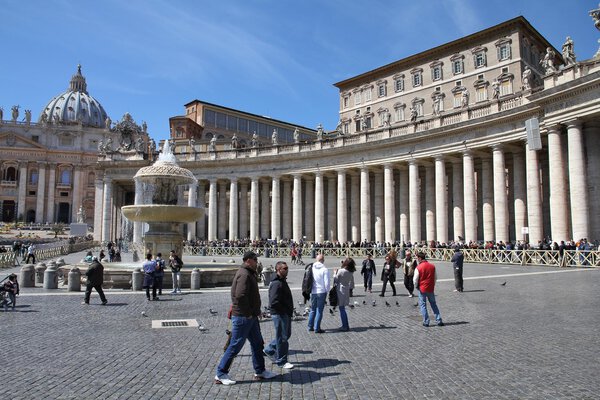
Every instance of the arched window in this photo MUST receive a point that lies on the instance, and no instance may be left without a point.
(65, 177)
(10, 174)
(33, 177)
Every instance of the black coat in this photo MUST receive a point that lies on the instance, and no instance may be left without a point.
(95, 273)
(280, 297)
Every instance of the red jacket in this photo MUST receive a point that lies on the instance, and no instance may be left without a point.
(426, 277)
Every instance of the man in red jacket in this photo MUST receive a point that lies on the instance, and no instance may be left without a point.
(424, 280)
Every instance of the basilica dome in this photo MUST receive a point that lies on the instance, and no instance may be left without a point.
(75, 105)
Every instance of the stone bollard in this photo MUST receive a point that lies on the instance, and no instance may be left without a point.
(60, 262)
(195, 279)
(27, 276)
(137, 279)
(74, 280)
(39, 273)
(267, 277)
(51, 277)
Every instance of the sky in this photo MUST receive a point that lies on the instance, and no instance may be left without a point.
(275, 58)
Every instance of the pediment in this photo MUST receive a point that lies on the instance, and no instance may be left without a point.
(10, 139)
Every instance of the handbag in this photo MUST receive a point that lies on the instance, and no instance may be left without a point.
(333, 297)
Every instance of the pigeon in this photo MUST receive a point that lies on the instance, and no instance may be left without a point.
(351, 306)
(387, 304)
(213, 312)
(330, 311)
(305, 313)
(503, 284)
(296, 313)
(398, 304)
(364, 302)
(144, 314)
(374, 303)
(202, 329)
(416, 304)
(300, 303)
(355, 303)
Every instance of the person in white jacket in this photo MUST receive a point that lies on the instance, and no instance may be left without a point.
(318, 295)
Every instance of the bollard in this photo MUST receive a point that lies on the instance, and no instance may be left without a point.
(267, 253)
(195, 279)
(135, 256)
(27, 276)
(74, 280)
(267, 277)
(313, 253)
(51, 277)
(60, 262)
(137, 279)
(39, 273)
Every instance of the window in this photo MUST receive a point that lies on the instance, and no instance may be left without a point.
(506, 87)
(65, 177)
(457, 67)
(33, 177)
(356, 98)
(66, 141)
(458, 83)
(505, 70)
(382, 90)
(436, 70)
(398, 83)
(417, 79)
(480, 76)
(457, 99)
(367, 94)
(346, 128)
(481, 93)
(35, 138)
(503, 49)
(399, 113)
(480, 60)
(10, 174)
(346, 101)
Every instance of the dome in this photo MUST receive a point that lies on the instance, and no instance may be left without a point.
(75, 105)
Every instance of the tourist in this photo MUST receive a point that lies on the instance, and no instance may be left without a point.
(176, 264)
(344, 280)
(424, 280)
(95, 278)
(457, 264)
(30, 253)
(159, 274)
(89, 257)
(11, 287)
(408, 268)
(388, 273)
(149, 268)
(318, 294)
(245, 310)
(368, 271)
(281, 305)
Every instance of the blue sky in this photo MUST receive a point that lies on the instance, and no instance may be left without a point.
(274, 58)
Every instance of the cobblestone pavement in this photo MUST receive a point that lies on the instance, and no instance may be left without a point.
(534, 338)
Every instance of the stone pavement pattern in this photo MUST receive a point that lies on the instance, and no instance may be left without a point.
(535, 338)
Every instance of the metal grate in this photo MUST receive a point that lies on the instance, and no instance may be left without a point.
(175, 323)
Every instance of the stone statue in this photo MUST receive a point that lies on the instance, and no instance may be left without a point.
(212, 146)
(1, 114)
(56, 118)
(595, 14)
(526, 78)
(192, 142)
(44, 118)
(274, 137)
(234, 141)
(387, 119)
(108, 122)
(152, 146)
(144, 127)
(296, 135)
(15, 113)
(320, 132)
(437, 104)
(464, 100)
(80, 215)
(363, 123)
(109, 145)
(139, 145)
(568, 52)
(338, 127)
(27, 116)
(548, 61)
(495, 89)
(254, 141)
(100, 146)
(413, 114)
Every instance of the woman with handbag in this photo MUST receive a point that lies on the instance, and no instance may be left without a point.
(388, 272)
(343, 282)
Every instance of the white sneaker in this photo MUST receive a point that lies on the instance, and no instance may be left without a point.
(265, 375)
(224, 380)
(287, 366)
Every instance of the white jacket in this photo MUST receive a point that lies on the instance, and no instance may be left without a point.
(321, 278)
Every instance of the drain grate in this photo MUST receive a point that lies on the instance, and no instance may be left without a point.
(174, 323)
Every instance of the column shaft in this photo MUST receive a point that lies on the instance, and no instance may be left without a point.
(319, 209)
(441, 201)
(243, 206)
(276, 209)
(558, 188)
(41, 193)
(365, 205)
(430, 203)
(520, 194)
(500, 196)
(233, 210)
(469, 198)
(297, 209)
(331, 233)
(578, 182)
(254, 212)
(287, 209)
(389, 198)
(342, 208)
(414, 202)
(403, 206)
(355, 207)
(487, 189)
(212, 210)
(378, 216)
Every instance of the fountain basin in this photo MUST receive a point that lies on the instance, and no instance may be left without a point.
(161, 213)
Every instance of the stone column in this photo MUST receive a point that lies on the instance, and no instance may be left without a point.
(520, 194)
(243, 206)
(297, 208)
(487, 189)
(98, 206)
(275, 209)
(331, 209)
(378, 216)
(52, 190)
(578, 181)
(137, 200)
(389, 198)
(22, 191)
(107, 209)
(355, 207)
(265, 209)
(430, 203)
(41, 193)
(414, 201)
(212, 210)
(77, 193)
(591, 133)
(254, 214)
(233, 209)
(365, 205)
(534, 197)
(500, 196)
(441, 200)
(403, 207)
(222, 211)
(309, 208)
(458, 221)
(201, 202)
(469, 198)
(342, 207)
(287, 209)
(192, 202)
(558, 187)
(319, 208)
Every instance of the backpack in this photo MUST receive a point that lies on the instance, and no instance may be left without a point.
(307, 282)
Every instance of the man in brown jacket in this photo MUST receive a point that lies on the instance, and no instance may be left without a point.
(245, 309)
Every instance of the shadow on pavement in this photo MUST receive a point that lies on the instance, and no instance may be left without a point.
(367, 328)
(320, 363)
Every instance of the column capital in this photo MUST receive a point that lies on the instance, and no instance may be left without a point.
(554, 129)
(573, 123)
(440, 157)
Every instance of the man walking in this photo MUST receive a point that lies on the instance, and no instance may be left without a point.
(95, 278)
(318, 295)
(245, 309)
(149, 267)
(424, 280)
(368, 272)
(457, 262)
(281, 305)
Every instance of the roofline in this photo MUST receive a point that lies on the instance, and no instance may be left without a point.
(520, 20)
(249, 114)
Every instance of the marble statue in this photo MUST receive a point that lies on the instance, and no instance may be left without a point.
(56, 118)
(100, 146)
(254, 141)
(568, 52)
(27, 116)
(108, 122)
(81, 215)
(363, 123)
(1, 114)
(548, 61)
(152, 146)
(109, 145)
(387, 121)
(234, 141)
(595, 14)
(464, 100)
(413, 114)
(437, 104)
(527, 78)
(139, 144)
(192, 143)
(44, 118)
(212, 146)
(320, 132)
(144, 127)
(296, 135)
(15, 113)
(495, 89)
(274, 137)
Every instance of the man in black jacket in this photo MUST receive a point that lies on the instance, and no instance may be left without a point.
(95, 278)
(281, 305)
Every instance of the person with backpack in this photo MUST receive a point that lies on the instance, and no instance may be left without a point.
(176, 264)
(318, 294)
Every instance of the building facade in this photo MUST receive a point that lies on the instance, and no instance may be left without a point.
(490, 137)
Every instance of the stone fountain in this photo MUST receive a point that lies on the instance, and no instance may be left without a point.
(159, 185)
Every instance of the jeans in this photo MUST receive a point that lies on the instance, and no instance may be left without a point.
(423, 296)
(88, 292)
(279, 347)
(344, 317)
(317, 305)
(243, 328)
(176, 281)
(158, 283)
(368, 277)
